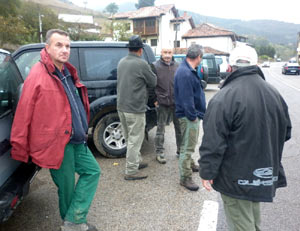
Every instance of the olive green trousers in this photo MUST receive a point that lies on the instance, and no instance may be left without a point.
(241, 215)
(190, 134)
(75, 200)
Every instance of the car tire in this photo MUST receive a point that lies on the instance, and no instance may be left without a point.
(108, 136)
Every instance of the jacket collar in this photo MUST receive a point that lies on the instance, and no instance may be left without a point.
(47, 61)
(166, 64)
(242, 71)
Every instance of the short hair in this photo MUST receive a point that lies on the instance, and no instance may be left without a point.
(194, 51)
(134, 49)
(55, 31)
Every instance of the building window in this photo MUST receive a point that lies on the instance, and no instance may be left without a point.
(176, 27)
(153, 42)
(176, 43)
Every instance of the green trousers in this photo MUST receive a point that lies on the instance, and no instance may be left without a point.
(190, 134)
(133, 126)
(75, 200)
(241, 215)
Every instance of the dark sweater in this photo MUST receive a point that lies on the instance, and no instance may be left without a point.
(189, 95)
(79, 117)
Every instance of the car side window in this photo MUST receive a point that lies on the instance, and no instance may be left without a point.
(26, 61)
(100, 63)
(10, 81)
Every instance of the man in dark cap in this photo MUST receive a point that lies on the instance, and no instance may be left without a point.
(134, 77)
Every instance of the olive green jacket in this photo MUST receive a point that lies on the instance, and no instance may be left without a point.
(134, 77)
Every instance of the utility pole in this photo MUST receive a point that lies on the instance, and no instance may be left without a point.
(40, 26)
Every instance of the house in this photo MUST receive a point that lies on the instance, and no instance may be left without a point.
(84, 22)
(209, 35)
(158, 26)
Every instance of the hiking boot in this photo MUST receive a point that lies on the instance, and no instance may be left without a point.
(189, 184)
(70, 226)
(135, 176)
(161, 159)
(195, 168)
(142, 165)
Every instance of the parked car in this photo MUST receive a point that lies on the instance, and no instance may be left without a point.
(96, 63)
(266, 64)
(209, 61)
(223, 62)
(291, 68)
(15, 177)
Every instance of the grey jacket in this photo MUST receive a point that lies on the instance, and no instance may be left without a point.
(134, 76)
(165, 82)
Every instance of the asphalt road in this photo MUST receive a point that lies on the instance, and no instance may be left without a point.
(159, 202)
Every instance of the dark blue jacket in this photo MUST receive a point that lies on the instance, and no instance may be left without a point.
(189, 95)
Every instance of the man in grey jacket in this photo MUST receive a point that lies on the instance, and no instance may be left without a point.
(134, 77)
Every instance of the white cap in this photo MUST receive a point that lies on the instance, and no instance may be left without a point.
(243, 55)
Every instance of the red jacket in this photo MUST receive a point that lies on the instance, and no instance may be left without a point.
(43, 122)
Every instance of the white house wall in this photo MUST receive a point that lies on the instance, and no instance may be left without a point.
(224, 44)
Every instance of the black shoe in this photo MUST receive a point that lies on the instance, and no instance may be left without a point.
(195, 168)
(189, 184)
(136, 176)
(142, 165)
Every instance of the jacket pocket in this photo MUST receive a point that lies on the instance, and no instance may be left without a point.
(42, 140)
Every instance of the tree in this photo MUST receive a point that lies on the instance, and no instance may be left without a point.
(9, 7)
(12, 31)
(112, 8)
(144, 3)
(30, 15)
(120, 30)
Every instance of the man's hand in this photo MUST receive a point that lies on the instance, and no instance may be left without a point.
(207, 184)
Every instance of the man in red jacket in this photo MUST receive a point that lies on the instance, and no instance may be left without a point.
(50, 128)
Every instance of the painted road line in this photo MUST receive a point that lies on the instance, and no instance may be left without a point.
(209, 216)
(279, 78)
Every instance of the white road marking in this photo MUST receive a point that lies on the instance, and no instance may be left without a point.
(279, 78)
(209, 216)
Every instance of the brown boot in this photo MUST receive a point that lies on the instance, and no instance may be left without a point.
(136, 176)
(189, 184)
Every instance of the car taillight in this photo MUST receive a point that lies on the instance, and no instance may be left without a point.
(14, 202)
(286, 68)
(202, 70)
(228, 68)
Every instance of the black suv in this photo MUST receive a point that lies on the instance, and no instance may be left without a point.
(15, 177)
(96, 63)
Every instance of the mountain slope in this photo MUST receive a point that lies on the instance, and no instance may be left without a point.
(275, 31)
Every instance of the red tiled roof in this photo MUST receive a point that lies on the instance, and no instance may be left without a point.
(145, 12)
(207, 30)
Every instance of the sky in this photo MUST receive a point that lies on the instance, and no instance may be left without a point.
(287, 11)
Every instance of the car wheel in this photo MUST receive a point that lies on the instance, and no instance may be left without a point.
(108, 136)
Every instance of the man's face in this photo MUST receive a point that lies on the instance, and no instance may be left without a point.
(59, 48)
(166, 55)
